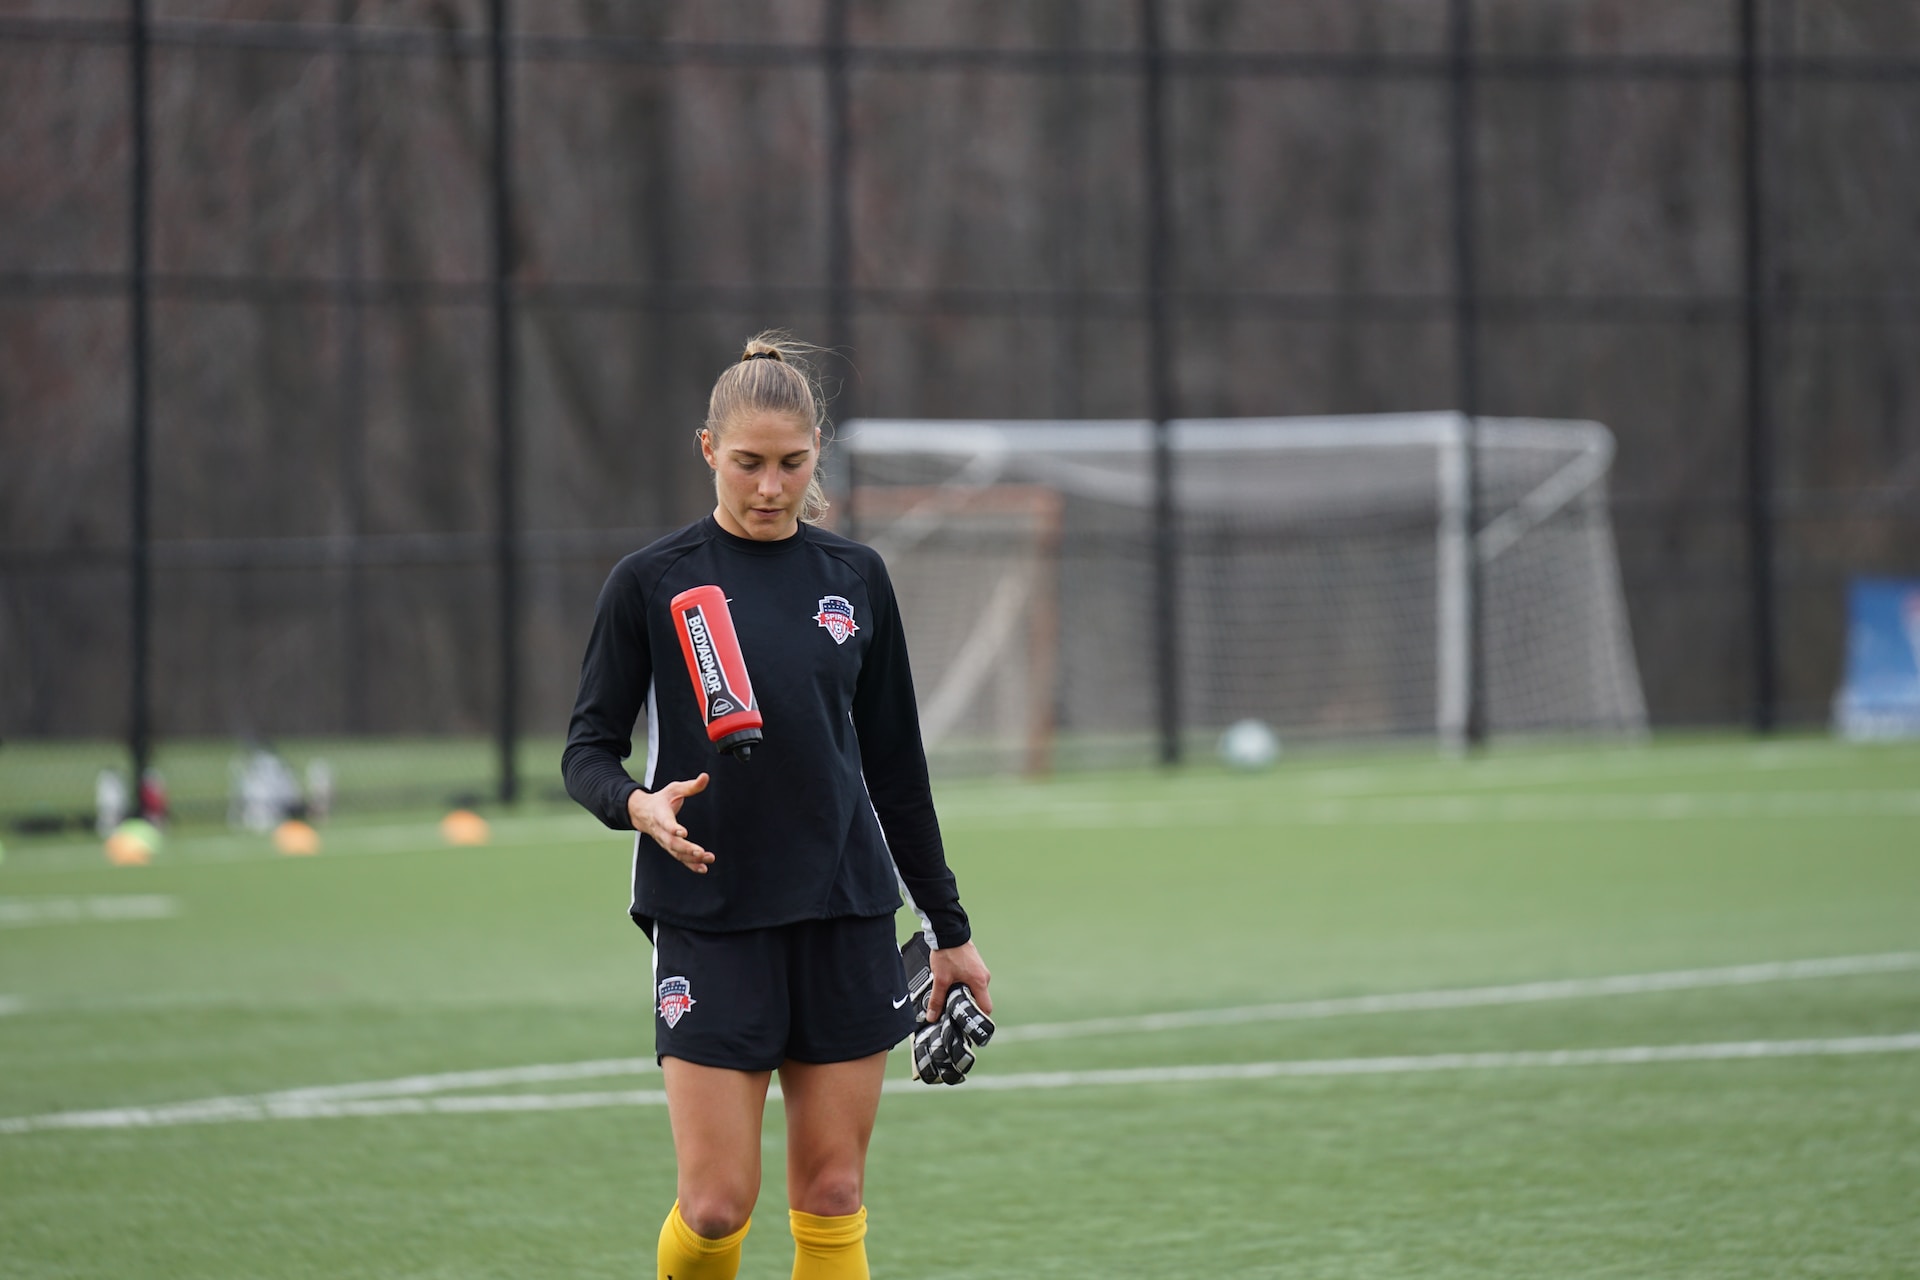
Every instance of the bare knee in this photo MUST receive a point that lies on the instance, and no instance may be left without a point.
(830, 1194)
(715, 1212)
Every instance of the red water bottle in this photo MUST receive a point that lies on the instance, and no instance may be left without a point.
(719, 671)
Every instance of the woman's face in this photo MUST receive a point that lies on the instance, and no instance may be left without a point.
(761, 465)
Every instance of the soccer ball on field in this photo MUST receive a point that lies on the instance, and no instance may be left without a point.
(1249, 744)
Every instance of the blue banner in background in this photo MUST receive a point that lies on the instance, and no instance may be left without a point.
(1881, 696)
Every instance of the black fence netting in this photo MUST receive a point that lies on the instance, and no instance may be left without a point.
(345, 346)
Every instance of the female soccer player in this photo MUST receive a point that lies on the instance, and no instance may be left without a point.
(768, 885)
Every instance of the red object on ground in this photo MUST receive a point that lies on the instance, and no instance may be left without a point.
(153, 797)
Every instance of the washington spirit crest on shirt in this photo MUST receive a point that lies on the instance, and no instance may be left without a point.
(676, 997)
(836, 615)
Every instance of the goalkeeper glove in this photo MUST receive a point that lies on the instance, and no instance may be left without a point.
(943, 1049)
(943, 1044)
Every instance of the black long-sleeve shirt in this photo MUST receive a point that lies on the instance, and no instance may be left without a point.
(832, 815)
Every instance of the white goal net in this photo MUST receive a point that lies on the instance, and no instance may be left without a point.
(1322, 580)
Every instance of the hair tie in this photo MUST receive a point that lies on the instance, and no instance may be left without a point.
(762, 355)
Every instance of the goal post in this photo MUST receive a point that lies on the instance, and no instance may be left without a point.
(975, 568)
(1322, 579)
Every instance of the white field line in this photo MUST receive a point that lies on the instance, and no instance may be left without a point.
(1439, 810)
(231, 1110)
(1639, 1055)
(1583, 767)
(1472, 997)
(386, 1097)
(543, 1073)
(265, 1107)
(390, 1097)
(20, 913)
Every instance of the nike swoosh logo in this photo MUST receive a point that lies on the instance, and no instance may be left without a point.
(902, 1000)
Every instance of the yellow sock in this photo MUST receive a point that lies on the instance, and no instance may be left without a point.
(686, 1256)
(829, 1248)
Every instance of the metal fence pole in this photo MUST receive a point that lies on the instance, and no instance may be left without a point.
(1759, 442)
(352, 409)
(839, 178)
(139, 358)
(1159, 244)
(505, 507)
(1466, 327)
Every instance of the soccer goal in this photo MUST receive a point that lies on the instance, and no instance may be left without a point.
(1322, 579)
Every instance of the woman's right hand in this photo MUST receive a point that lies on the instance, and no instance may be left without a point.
(656, 814)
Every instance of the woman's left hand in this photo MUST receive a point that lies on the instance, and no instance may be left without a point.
(959, 965)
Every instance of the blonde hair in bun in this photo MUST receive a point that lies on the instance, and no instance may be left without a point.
(774, 374)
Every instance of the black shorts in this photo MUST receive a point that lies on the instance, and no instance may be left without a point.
(812, 991)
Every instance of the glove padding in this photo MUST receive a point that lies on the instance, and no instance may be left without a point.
(965, 1016)
(943, 1048)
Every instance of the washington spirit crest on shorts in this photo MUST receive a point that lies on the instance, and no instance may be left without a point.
(836, 615)
(676, 997)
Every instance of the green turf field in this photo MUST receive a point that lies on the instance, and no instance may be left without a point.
(1774, 1130)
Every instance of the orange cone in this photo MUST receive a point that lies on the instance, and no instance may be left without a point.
(464, 826)
(295, 839)
(133, 843)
